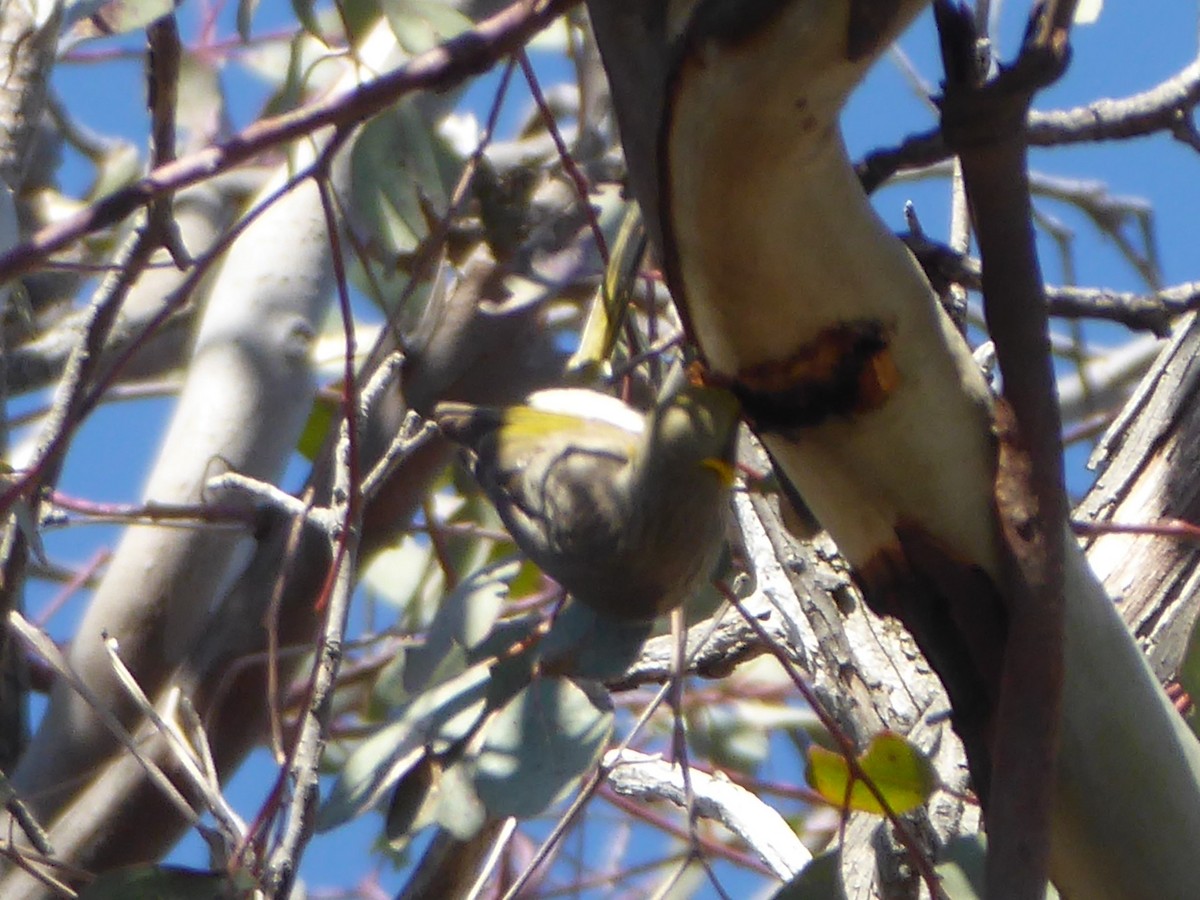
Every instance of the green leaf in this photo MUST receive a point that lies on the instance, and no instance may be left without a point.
(961, 870)
(397, 574)
(465, 618)
(902, 774)
(119, 166)
(245, 17)
(307, 17)
(589, 645)
(459, 809)
(821, 879)
(149, 882)
(320, 419)
(505, 634)
(289, 90)
(420, 25)
(434, 720)
(721, 733)
(401, 174)
(413, 801)
(200, 108)
(539, 745)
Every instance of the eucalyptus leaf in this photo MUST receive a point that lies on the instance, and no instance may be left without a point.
(316, 427)
(200, 113)
(446, 711)
(464, 618)
(589, 645)
(540, 744)
(900, 772)
(401, 174)
(821, 879)
(305, 11)
(413, 801)
(459, 809)
(420, 25)
(962, 867)
(245, 17)
(395, 574)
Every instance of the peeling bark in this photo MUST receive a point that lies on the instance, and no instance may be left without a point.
(1148, 462)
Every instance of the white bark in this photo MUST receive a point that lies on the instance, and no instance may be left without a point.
(649, 778)
(248, 392)
(775, 244)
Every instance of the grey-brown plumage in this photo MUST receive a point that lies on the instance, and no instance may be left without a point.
(626, 511)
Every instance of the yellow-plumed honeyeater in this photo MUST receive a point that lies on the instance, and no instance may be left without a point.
(626, 510)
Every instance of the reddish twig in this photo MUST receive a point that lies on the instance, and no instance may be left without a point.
(903, 833)
(470, 53)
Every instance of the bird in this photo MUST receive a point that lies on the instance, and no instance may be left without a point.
(625, 509)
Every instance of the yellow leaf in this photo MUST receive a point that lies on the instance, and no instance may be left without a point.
(901, 773)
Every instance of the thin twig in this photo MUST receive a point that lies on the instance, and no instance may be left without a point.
(446, 65)
(233, 829)
(1165, 107)
(346, 508)
(25, 819)
(46, 648)
(290, 548)
(80, 397)
(579, 802)
(1151, 312)
(904, 833)
(637, 775)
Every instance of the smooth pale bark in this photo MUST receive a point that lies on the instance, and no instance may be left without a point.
(248, 393)
(773, 242)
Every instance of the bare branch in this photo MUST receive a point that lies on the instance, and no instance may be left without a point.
(643, 777)
(468, 54)
(1165, 107)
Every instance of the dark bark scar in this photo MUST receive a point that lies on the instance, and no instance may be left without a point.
(847, 368)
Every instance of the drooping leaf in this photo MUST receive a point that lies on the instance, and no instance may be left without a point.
(505, 634)
(439, 789)
(119, 166)
(245, 17)
(320, 419)
(401, 176)
(305, 11)
(902, 774)
(539, 745)
(200, 107)
(459, 809)
(413, 800)
(420, 25)
(585, 644)
(821, 879)
(435, 719)
(961, 869)
(465, 617)
(395, 575)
